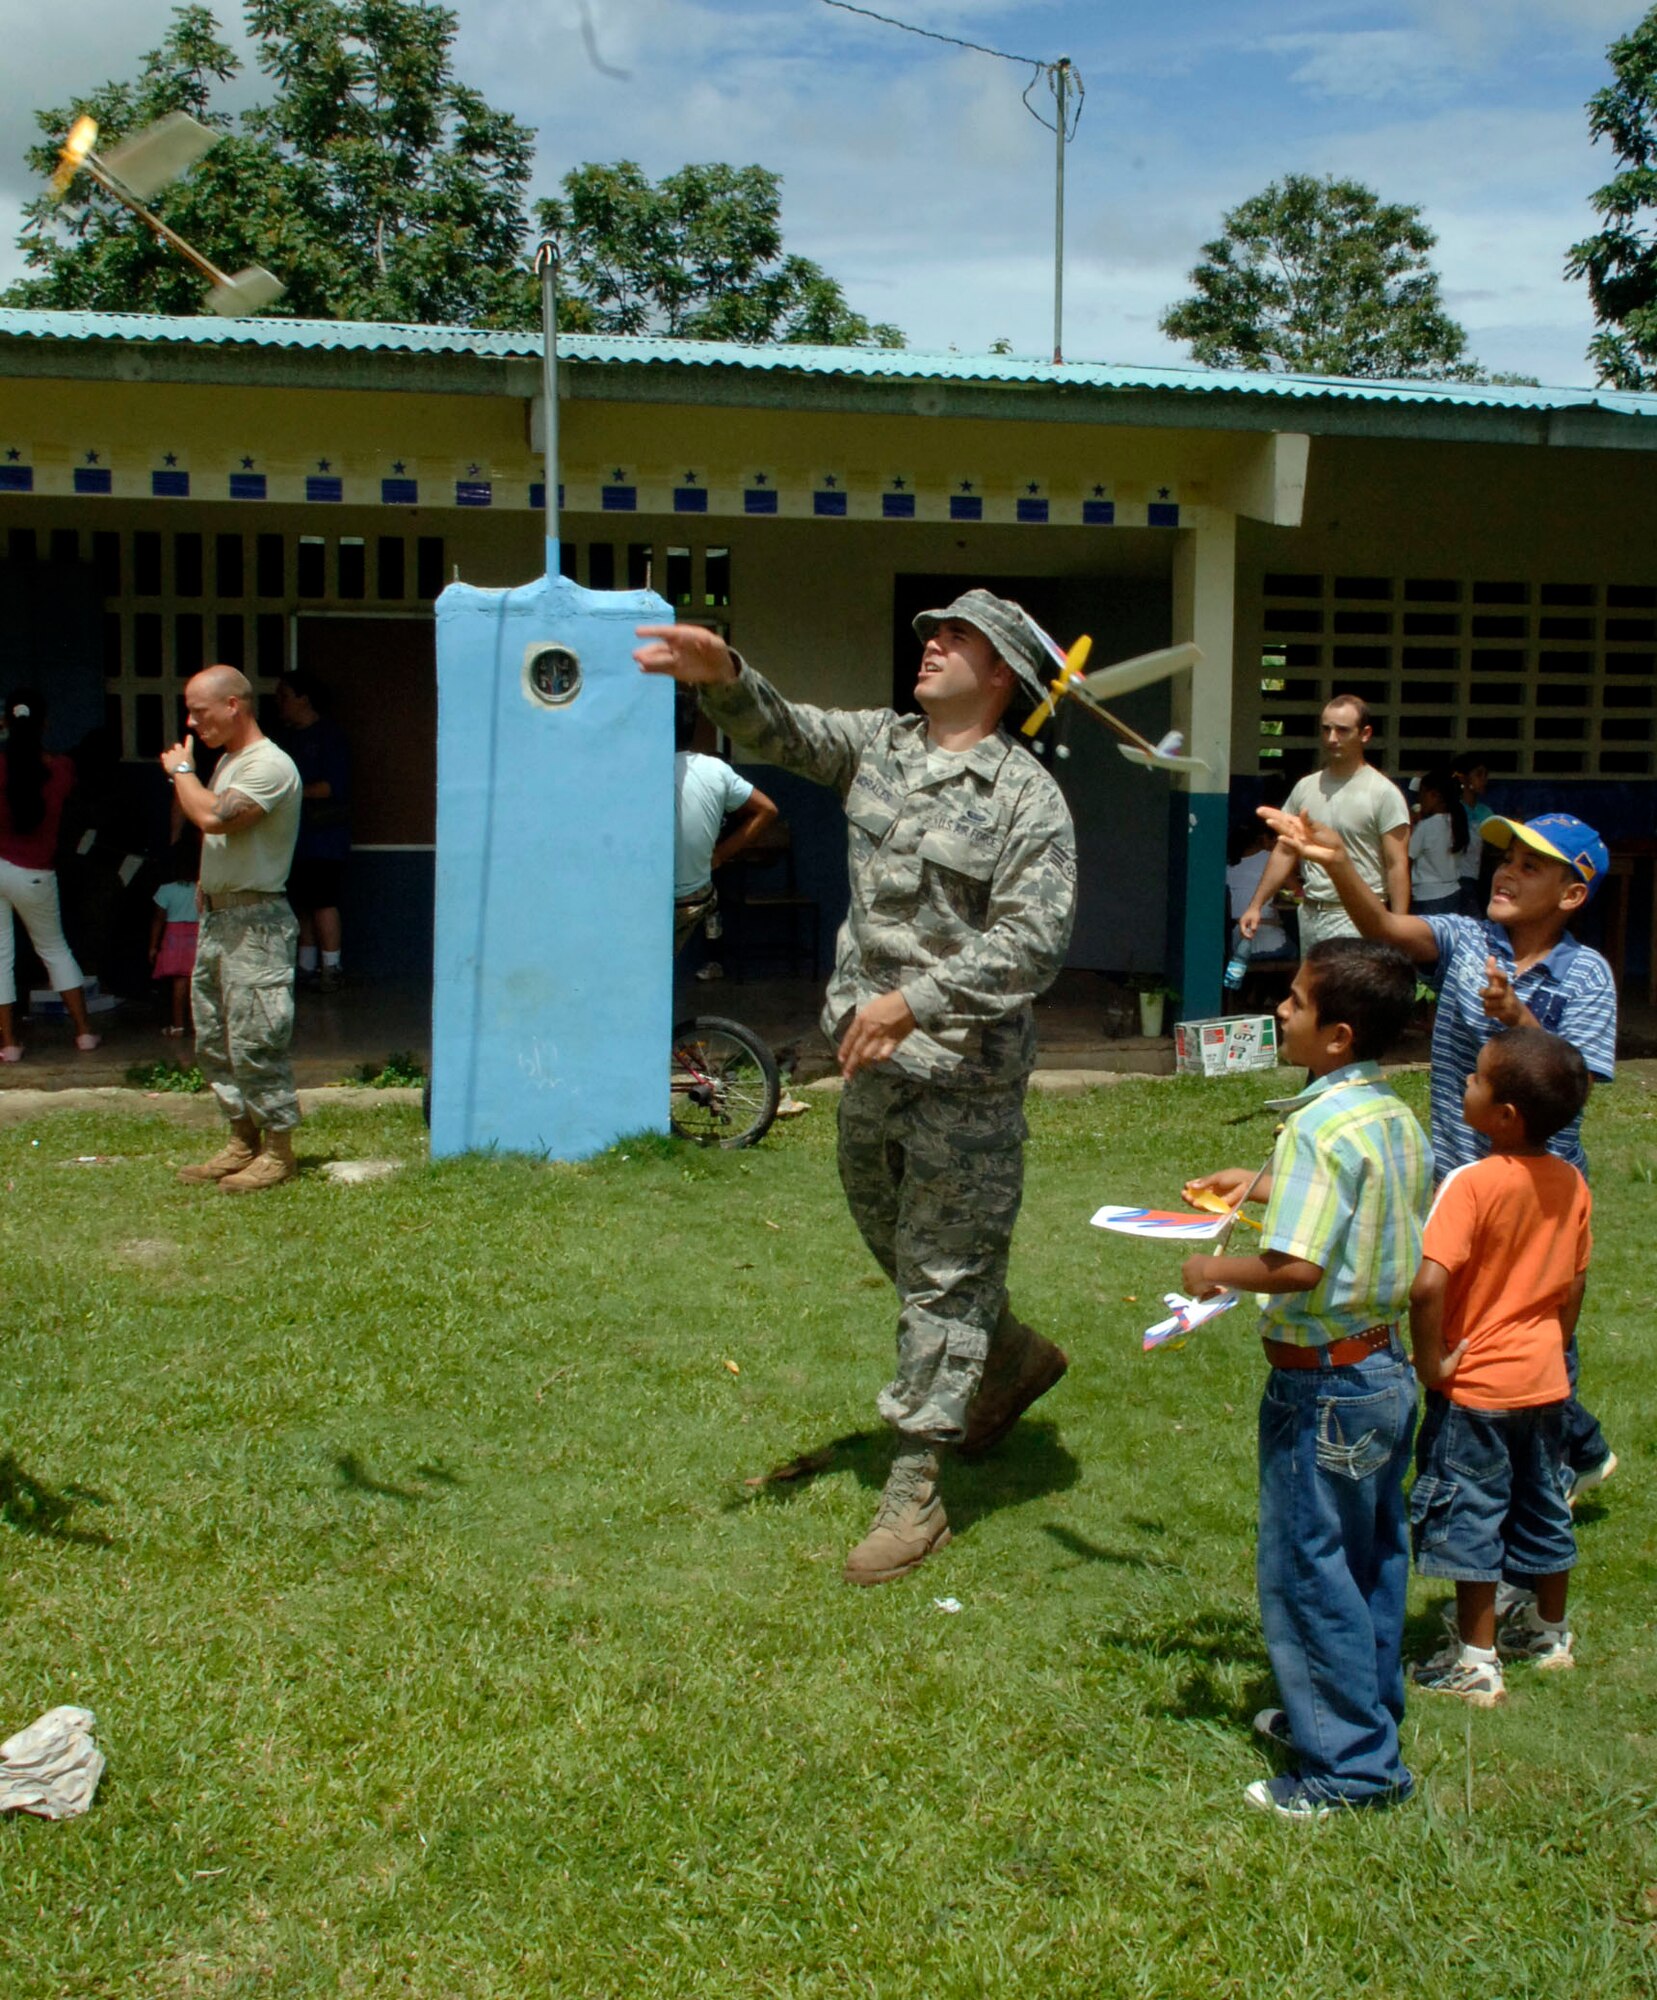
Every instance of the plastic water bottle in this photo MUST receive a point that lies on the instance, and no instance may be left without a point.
(1237, 965)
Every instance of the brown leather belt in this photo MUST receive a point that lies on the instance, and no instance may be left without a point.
(1337, 1354)
(240, 899)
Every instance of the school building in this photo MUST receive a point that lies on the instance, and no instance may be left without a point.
(1479, 564)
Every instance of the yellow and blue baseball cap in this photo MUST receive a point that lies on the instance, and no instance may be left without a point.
(1561, 837)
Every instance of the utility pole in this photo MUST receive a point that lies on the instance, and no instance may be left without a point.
(1061, 82)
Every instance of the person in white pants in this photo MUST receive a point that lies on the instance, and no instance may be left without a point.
(33, 789)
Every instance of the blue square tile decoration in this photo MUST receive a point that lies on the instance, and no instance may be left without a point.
(832, 505)
(1162, 514)
(759, 500)
(538, 495)
(474, 493)
(94, 479)
(17, 479)
(966, 507)
(1098, 513)
(317, 487)
(1032, 510)
(690, 499)
(618, 499)
(170, 485)
(400, 492)
(247, 486)
(897, 506)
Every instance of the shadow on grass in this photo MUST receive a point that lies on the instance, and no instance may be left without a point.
(355, 1477)
(1032, 1462)
(1209, 1648)
(1095, 1552)
(34, 1509)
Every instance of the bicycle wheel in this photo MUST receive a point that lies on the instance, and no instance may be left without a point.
(724, 1084)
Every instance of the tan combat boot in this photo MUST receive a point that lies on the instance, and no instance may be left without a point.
(909, 1525)
(274, 1165)
(1021, 1366)
(239, 1151)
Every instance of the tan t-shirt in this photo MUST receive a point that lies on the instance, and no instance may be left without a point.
(256, 858)
(1361, 809)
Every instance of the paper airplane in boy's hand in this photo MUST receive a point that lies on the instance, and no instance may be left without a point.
(1093, 690)
(1185, 1316)
(1174, 1225)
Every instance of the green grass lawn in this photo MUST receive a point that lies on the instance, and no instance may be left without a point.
(399, 1536)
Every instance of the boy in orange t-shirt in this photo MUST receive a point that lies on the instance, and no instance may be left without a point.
(1504, 1259)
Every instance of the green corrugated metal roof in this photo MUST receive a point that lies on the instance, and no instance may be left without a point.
(868, 363)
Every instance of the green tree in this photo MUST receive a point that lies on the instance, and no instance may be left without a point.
(1322, 277)
(374, 184)
(698, 255)
(1620, 259)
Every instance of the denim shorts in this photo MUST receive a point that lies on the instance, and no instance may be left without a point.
(1488, 1499)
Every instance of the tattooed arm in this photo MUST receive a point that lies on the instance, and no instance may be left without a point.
(215, 812)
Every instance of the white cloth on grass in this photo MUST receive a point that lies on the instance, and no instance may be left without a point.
(51, 1768)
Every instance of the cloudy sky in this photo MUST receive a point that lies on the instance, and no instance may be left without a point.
(913, 172)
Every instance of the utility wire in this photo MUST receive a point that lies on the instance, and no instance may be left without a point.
(932, 35)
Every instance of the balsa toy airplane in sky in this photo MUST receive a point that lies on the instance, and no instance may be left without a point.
(1093, 690)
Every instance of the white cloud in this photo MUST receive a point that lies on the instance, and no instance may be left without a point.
(1369, 63)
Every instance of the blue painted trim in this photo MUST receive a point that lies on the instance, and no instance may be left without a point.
(94, 479)
(615, 499)
(170, 485)
(1206, 816)
(328, 491)
(400, 492)
(690, 499)
(897, 506)
(538, 501)
(1162, 514)
(247, 486)
(759, 500)
(1032, 512)
(17, 479)
(965, 507)
(474, 493)
(832, 506)
(1098, 513)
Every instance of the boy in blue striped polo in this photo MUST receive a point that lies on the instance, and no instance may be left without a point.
(1517, 967)
(1339, 1248)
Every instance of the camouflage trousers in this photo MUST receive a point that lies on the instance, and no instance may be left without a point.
(241, 996)
(934, 1178)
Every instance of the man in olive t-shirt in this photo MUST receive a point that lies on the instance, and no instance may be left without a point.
(1372, 816)
(242, 991)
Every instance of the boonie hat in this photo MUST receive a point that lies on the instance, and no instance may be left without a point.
(1561, 837)
(1008, 628)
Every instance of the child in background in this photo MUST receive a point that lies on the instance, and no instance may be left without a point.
(1505, 1255)
(1438, 840)
(1249, 851)
(173, 927)
(1339, 1247)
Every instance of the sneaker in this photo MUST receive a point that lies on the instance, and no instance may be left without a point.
(1453, 1672)
(1273, 1725)
(1286, 1797)
(712, 970)
(1592, 1476)
(1511, 1600)
(330, 979)
(87, 1043)
(1545, 1647)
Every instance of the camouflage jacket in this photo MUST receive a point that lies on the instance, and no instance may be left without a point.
(963, 875)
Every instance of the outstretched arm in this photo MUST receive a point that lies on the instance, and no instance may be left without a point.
(1323, 846)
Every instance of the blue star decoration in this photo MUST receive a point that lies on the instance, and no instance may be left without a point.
(13, 454)
(324, 465)
(91, 458)
(1162, 492)
(898, 485)
(966, 485)
(829, 479)
(618, 476)
(690, 478)
(398, 465)
(761, 478)
(247, 465)
(1098, 493)
(1034, 486)
(169, 458)
(472, 471)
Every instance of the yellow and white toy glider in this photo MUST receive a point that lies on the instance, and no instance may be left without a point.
(1093, 690)
(136, 171)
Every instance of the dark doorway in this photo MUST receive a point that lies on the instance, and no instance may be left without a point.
(1121, 812)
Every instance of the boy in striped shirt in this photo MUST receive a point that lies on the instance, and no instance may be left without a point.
(1340, 1245)
(1517, 967)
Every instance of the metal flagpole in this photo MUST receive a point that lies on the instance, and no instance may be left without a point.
(546, 267)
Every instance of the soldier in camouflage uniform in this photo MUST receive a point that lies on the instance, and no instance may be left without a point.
(241, 992)
(963, 878)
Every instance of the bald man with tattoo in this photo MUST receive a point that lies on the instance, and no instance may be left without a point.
(242, 991)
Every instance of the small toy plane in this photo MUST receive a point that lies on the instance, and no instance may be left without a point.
(1093, 690)
(136, 171)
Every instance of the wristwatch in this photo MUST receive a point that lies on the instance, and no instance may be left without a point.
(178, 769)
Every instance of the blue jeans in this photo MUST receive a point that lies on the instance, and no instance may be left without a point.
(1333, 1566)
(1488, 1501)
(1585, 1445)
